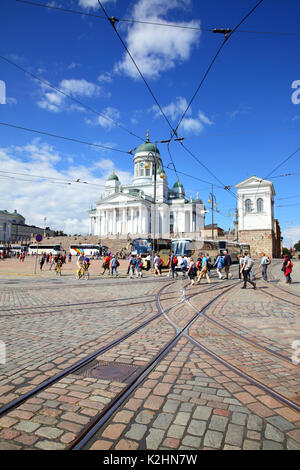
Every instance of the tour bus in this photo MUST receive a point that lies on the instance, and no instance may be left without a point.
(190, 249)
(40, 249)
(142, 246)
(89, 250)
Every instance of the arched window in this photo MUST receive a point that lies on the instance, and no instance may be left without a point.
(248, 206)
(260, 205)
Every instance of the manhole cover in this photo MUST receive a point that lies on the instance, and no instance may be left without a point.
(113, 371)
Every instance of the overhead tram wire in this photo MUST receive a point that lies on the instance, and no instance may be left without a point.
(112, 21)
(45, 82)
(50, 178)
(228, 33)
(276, 168)
(153, 23)
(63, 137)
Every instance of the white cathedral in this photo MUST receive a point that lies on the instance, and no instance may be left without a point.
(130, 210)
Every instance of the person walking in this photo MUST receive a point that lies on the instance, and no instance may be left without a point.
(184, 266)
(220, 265)
(132, 265)
(287, 268)
(227, 264)
(204, 269)
(246, 268)
(148, 261)
(240, 262)
(114, 265)
(42, 261)
(157, 264)
(106, 264)
(265, 261)
(173, 264)
(192, 271)
(139, 267)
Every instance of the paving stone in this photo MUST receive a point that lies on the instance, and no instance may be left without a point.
(270, 445)
(255, 423)
(292, 445)
(182, 418)
(197, 428)
(26, 426)
(144, 417)
(136, 431)
(176, 431)
(213, 439)
(192, 441)
(281, 423)
(154, 438)
(234, 435)
(238, 418)
(218, 423)
(171, 406)
(202, 412)
(163, 421)
(49, 433)
(49, 445)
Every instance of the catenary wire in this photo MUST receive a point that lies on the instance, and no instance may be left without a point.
(227, 36)
(62, 137)
(137, 67)
(45, 82)
(154, 23)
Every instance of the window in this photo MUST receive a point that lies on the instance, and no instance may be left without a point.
(248, 206)
(260, 205)
(148, 171)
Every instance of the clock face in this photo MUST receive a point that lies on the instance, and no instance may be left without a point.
(142, 165)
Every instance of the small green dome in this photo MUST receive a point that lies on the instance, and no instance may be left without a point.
(147, 146)
(113, 177)
(178, 185)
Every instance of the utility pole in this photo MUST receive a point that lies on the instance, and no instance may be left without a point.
(213, 201)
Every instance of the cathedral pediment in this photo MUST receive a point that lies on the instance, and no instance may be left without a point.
(117, 198)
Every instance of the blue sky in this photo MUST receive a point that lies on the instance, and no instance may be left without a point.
(242, 122)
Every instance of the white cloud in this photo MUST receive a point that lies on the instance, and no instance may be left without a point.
(56, 102)
(157, 49)
(111, 113)
(93, 3)
(105, 77)
(64, 205)
(175, 110)
(291, 235)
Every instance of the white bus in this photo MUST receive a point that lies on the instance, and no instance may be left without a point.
(89, 250)
(40, 249)
(190, 249)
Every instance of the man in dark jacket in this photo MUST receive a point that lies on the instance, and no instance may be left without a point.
(227, 264)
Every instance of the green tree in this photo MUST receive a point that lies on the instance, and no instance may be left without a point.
(297, 246)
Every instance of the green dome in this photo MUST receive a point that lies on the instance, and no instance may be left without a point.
(113, 177)
(147, 146)
(178, 185)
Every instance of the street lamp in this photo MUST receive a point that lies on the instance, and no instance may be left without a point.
(162, 175)
(212, 200)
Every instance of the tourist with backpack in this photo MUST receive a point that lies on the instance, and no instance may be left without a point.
(106, 264)
(132, 265)
(204, 269)
(157, 265)
(227, 264)
(173, 264)
(192, 272)
(139, 267)
(114, 265)
(220, 265)
(245, 270)
(183, 265)
(265, 261)
(287, 268)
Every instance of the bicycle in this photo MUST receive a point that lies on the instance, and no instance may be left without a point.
(83, 272)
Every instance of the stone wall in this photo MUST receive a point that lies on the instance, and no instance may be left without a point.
(259, 241)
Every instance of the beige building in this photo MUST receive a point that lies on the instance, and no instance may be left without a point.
(256, 223)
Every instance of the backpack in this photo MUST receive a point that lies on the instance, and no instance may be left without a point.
(269, 261)
(198, 264)
(160, 263)
(175, 260)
